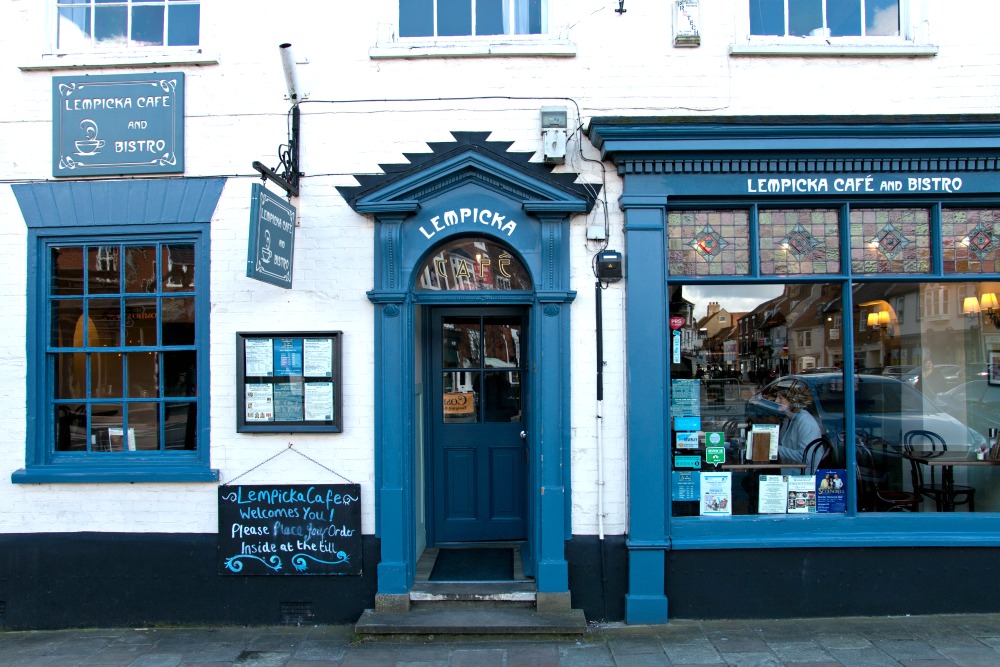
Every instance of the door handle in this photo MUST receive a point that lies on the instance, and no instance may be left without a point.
(524, 435)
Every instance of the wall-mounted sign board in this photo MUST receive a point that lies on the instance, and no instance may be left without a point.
(271, 250)
(289, 382)
(118, 124)
(290, 529)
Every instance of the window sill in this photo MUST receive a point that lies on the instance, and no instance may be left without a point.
(81, 474)
(135, 59)
(473, 47)
(826, 50)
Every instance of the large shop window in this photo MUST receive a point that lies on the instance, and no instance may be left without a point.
(457, 18)
(121, 360)
(87, 25)
(809, 372)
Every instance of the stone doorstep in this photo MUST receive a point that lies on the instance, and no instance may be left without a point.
(475, 621)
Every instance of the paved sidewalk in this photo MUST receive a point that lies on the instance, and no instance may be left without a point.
(927, 641)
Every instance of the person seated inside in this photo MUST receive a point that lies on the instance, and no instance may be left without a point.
(798, 428)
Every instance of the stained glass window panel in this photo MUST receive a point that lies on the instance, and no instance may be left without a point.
(708, 243)
(969, 239)
(895, 240)
(799, 241)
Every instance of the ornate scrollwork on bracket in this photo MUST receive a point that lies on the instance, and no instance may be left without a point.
(551, 310)
(390, 310)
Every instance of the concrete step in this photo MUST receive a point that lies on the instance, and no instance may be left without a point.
(444, 621)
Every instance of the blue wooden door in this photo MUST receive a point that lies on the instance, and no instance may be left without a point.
(477, 456)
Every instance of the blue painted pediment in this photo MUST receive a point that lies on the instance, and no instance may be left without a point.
(470, 160)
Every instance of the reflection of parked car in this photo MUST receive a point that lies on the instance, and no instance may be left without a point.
(976, 403)
(950, 374)
(897, 371)
(885, 408)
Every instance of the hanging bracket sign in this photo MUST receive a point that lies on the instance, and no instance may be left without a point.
(272, 238)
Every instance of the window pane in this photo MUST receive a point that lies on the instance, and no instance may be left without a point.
(143, 378)
(461, 343)
(103, 276)
(106, 375)
(180, 372)
(454, 17)
(758, 355)
(70, 375)
(805, 17)
(703, 243)
(843, 17)
(67, 271)
(181, 431)
(73, 31)
(490, 17)
(140, 268)
(502, 337)
(970, 238)
(890, 241)
(460, 398)
(68, 323)
(147, 25)
(106, 428)
(177, 266)
(143, 426)
(71, 428)
(178, 321)
(799, 241)
(416, 18)
(140, 322)
(111, 26)
(882, 17)
(535, 19)
(184, 25)
(923, 398)
(502, 397)
(767, 17)
(473, 264)
(104, 326)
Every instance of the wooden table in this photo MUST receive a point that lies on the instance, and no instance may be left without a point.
(947, 460)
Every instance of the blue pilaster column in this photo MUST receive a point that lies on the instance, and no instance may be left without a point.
(393, 415)
(647, 348)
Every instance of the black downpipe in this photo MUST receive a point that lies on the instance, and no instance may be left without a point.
(600, 399)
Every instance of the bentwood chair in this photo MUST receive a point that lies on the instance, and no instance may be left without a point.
(871, 496)
(817, 454)
(929, 485)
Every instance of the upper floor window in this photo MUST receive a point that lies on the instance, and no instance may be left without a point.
(825, 18)
(457, 18)
(87, 25)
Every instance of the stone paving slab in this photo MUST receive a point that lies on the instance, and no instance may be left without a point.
(971, 640)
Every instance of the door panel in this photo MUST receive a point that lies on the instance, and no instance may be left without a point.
(478, 458)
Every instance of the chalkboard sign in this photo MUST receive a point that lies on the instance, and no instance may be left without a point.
(290, 529)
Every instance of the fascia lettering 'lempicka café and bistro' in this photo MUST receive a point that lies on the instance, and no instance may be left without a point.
(836, 414)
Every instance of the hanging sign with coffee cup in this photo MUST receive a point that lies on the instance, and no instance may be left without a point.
(118, 124)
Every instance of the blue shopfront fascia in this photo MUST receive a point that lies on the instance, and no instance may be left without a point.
(738, 162)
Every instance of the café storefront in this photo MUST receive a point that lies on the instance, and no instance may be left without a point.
(827, 279)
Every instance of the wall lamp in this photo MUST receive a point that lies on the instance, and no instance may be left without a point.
(986, 305)
(880, 322)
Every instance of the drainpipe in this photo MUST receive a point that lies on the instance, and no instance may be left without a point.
(600, 440)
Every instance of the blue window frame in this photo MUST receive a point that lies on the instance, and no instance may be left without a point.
(456, 18)
(118, 331)
(84, 25)
(825, 18)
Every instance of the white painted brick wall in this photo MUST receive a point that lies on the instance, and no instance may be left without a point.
(235, 114)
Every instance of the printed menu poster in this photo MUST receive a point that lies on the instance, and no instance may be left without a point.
(685, 485)
(287, 356)
(773, 495)
(288, 402)
(317, 354)
(259, 357)
(259, 402)
(716, 494)
(319, 401)
(801, 494)
(831, 491)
